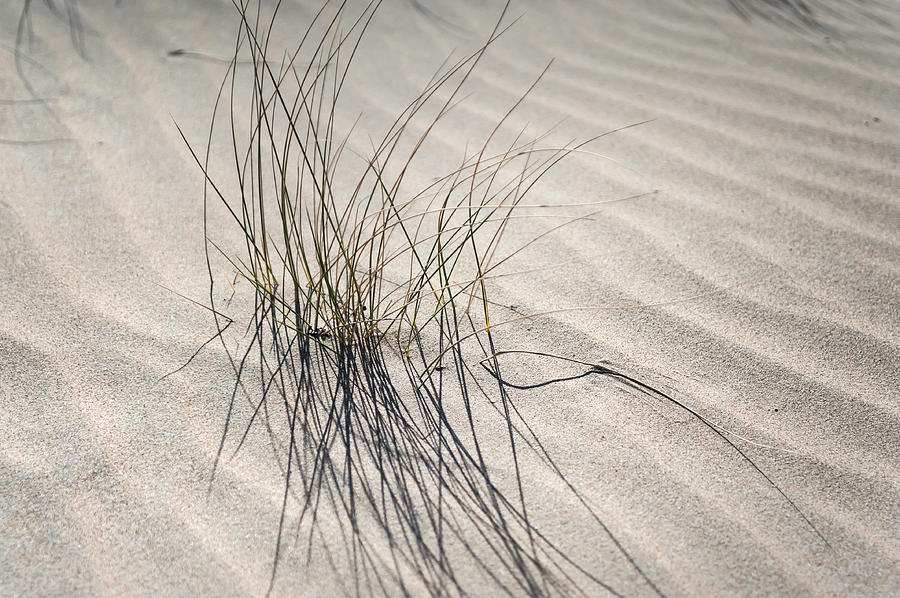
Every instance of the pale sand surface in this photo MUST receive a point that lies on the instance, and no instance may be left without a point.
(769, 265)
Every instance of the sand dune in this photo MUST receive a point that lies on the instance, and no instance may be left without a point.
(759, 286)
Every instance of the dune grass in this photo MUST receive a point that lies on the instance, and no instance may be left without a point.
(370, 305)
(352, 273)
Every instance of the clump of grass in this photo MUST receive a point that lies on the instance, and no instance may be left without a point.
(350, 271)
(368, 300)
(312, 249)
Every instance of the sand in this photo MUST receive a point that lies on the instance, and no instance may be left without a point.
(759, 286)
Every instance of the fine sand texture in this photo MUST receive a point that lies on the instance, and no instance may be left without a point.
(754, 278)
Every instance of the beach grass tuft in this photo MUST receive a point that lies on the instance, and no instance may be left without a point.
(366, 297)
(370, 304)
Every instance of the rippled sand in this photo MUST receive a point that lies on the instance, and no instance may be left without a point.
(759, 286)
